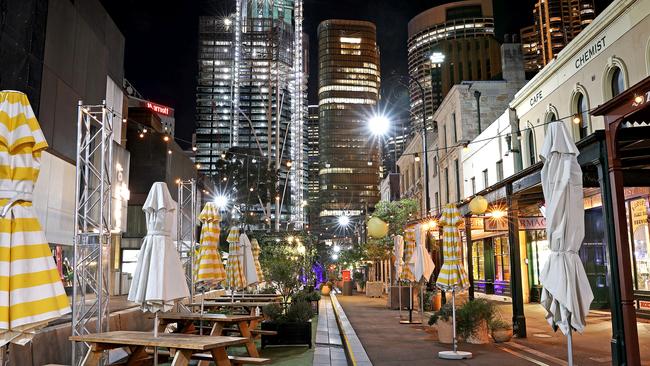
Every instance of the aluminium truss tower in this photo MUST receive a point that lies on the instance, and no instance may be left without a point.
(92, 242)
(186, 230)
(299, 115)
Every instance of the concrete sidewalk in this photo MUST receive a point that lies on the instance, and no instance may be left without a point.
(388, 343)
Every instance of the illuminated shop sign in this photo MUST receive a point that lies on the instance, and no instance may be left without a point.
(160, 109)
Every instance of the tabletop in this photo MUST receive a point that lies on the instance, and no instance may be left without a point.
(169, 340)
(232, 304)
(250, 299)
(223, 318)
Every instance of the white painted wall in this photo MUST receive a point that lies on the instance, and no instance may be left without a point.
(484, 152)
(54, 199)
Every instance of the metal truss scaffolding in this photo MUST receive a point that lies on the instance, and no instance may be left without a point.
(299, 114)
(186, 229)
(92, 229)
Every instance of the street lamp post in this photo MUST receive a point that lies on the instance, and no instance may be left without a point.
(427, 203)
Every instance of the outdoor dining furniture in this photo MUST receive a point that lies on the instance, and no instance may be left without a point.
(247, 299)
(248, 306)
(245, 325)
(181, 346)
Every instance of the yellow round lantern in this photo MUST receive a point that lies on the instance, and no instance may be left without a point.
(478, 205)
(377, 228)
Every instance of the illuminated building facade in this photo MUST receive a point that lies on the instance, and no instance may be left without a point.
(557, 22)
(313, 161)
(348, 82)
(251, 94)
(463, 32)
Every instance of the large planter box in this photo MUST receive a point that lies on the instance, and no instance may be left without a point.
(374, 289)
(288, 334)
(394, 297)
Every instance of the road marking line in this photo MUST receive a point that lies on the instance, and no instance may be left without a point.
(538, 353)
(521, 355)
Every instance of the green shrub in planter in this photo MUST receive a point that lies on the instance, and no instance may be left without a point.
(443, 314)
(293, 327)
(470, 316)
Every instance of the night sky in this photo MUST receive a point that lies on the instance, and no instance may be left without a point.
(161, 40)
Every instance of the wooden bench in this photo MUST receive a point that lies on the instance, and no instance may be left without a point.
(235, 360)
(255, 332)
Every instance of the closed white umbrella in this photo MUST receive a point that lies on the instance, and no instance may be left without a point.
(156, 281)
(398, 252)
(566, 293)
(421, 264)
(250, 271)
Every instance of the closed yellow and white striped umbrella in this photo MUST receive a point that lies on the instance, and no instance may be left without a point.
(235, 267)
(31, 292)
(211, 269)
(452, 274)
(255, 246)
(409, 249)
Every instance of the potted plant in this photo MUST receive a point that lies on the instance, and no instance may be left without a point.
(442, 320)
(311, 297)
(472, 320)
(360, 281)
(501, 330)
(326, 289)
(293, 326)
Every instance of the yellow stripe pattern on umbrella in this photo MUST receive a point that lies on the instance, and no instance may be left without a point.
(452, 274)
(409, 249)
(235, 267)
(211, 267)
(31, 292)
(255, 247)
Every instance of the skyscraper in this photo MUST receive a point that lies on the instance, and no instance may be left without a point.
(251, 95)
(556, 23)
(348, 83)
(462, 33)
(313, 158)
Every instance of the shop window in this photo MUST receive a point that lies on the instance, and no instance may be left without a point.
(638, 225)
(539, 253)
(473, 180)
(478, 260)
(485, 179)
(501, 259)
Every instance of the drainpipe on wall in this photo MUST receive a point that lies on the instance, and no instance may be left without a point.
(516, 141)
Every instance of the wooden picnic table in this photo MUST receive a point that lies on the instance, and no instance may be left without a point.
(184, 346)
(253, 295)
(244, 323)
(248, 305)
(247, 299)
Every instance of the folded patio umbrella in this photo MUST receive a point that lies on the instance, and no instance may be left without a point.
(250, 272)
(255, 246)
(421, 265)
(31, 292)
(159, 279)
(235, 267)
(398, 252)
(566, 294)
(211, 269)
(409, 249)
(452, 274)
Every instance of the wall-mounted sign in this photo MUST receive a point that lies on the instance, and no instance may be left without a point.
(535, 98)
(477, 223)
(590, 52)
(645, 305)
(532, 223)
(160, 109)
(492, 224)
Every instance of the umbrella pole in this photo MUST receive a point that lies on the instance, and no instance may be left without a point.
(422, 303)
(455, 354)
(569, 342)
(155, 334)
(399, 289)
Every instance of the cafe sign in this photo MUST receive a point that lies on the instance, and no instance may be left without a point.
(532, 223)
(492, 224)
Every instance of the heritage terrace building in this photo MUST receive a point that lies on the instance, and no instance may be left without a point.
(605, 67)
